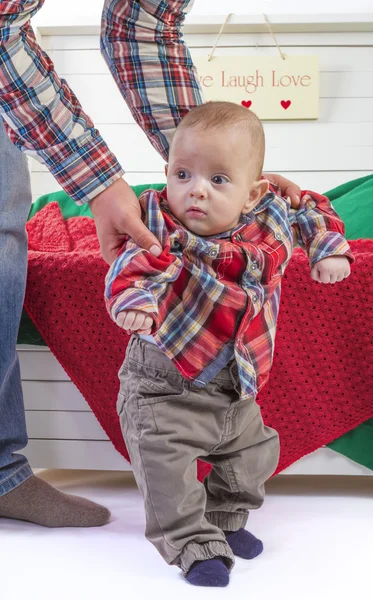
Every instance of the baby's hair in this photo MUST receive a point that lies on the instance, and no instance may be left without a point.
(225, 116)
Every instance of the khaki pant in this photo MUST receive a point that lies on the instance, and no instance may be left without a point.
(167, 424)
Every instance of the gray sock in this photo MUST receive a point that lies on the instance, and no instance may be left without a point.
(38, 502)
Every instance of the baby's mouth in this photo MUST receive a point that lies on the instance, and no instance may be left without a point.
(195, 211)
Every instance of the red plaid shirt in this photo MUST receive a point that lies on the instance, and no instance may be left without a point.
(214, 299)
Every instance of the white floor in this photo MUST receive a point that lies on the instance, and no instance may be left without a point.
(317, 532)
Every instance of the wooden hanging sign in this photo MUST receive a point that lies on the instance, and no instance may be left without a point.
(274, 88)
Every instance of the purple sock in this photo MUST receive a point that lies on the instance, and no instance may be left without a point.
(209, 573)
(244, 544)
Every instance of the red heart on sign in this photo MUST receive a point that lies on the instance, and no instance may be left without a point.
(246, 103)
(285, 103)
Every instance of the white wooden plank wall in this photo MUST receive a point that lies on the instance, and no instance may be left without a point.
(63, 432)
(316, 154)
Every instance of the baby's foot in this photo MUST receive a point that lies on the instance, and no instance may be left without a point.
(244, 544)
(209, 573)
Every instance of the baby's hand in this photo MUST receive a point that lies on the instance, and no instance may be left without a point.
(331, 269)
(135, 320)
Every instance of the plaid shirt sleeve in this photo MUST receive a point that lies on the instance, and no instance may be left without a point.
(142, 44)
(137, 280)
(41, 113)
(319, 230)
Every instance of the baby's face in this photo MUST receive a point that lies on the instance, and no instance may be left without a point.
(209, 181)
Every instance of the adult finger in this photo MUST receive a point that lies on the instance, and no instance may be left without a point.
(142, 236)
(287, 187)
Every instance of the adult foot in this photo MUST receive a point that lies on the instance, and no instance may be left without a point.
(38, 502)
(209, 573)
(244, 544)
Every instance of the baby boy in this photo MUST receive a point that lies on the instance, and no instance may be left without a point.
(204, 317)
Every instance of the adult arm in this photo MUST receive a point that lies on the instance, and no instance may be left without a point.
(142, 44)
(44, 118)
(42, 115)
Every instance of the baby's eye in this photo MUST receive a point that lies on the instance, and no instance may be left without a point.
(219, 179)
(182, 174)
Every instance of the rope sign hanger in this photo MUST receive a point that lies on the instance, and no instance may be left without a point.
(283, 56)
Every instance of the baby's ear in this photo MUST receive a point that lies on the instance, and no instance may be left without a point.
(258, 190)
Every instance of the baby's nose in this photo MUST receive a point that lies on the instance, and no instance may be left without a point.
(198, 192)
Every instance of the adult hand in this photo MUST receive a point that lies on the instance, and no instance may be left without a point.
(287, 187)
(117, 213)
